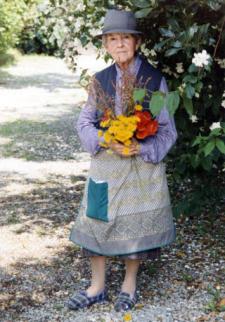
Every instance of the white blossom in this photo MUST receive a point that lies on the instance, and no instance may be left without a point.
(152, 52)
(221, 62)
(167, 70)
(79, 22)
(77, 43)
(95, 32)
(215, 125)
(179, 68)
(223, 103)
(80, 6)
(194, 119)
(201, 59)
(197, 95)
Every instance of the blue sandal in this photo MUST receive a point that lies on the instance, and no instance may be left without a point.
(125, 302)
(82, 300)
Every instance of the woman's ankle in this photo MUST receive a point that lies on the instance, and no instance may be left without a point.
(94, 290)
(129, 287)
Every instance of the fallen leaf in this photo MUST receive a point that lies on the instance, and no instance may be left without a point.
(221, 304)
(139, 306)
(181, 254)
(127, 317)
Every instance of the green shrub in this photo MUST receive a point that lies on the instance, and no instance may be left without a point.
(11, 22)
(37, 34)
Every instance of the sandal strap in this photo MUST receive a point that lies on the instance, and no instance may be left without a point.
(125, 302)
(81, 299)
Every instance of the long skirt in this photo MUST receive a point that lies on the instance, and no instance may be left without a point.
(125, 208)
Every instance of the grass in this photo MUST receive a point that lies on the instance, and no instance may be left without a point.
(152, 268)
(9, 58)
(13, 219)
(215, 304)
(25, 136)
(22, 127)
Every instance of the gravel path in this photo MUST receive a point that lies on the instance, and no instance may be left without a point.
(42, 175)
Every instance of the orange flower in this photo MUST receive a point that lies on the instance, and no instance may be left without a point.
(106, 119)
(146, 126)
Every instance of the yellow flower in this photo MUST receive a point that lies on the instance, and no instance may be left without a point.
(127, 317)
(105, 123)
(107, 137)
(126, 150)
(102, 144)
(123, 136)
(100, 133)
(127, 143)
(138, 107)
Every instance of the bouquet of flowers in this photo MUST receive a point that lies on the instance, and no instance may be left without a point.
(122, 128)
(133, 123)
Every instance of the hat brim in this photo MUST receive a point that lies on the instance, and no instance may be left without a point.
(122, 31)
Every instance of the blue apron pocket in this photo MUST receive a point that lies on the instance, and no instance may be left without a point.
(97, 200)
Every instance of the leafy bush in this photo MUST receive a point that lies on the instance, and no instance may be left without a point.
(11, 22)
(37, 35)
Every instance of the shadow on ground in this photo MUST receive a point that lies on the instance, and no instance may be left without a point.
(49, 206)
(41, 141)
(49, 81)
(54, 280)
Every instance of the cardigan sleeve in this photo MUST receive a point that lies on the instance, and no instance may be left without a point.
(153, 149)
(86, 129)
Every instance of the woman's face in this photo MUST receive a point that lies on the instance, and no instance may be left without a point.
(122, 48)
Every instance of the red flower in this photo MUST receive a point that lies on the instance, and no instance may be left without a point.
(146, 126)
(107, 114)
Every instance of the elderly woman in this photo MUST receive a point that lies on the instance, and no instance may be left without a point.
(126, 209)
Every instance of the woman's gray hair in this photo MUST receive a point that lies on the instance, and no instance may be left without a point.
(104, 38)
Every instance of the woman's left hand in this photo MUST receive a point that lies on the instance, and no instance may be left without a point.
(123, 151)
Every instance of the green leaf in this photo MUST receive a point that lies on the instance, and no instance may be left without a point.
(172, 101)
(190, 91)
(142, 13)
(209, 147)
(157, 102)
(206, 164)
(190, 79)
(171, 51)
(139, 94)
(141, 3)
(191, 31)
(199, 86)
(197, 140)
(195, 161)
(215, 132)
(220, 145)
(188, 105)
(192, 68)
(166, 32)
(177, 44)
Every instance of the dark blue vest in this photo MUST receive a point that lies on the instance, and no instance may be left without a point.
(147, 75)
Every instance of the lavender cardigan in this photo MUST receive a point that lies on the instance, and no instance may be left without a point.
(153, 149)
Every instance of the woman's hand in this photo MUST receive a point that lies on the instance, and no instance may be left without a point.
(120, 149)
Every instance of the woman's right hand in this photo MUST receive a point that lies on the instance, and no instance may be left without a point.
(118, 148)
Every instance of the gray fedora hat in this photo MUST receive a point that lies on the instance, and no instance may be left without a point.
(119, 21)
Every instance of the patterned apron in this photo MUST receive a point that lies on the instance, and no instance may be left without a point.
(125, 208)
